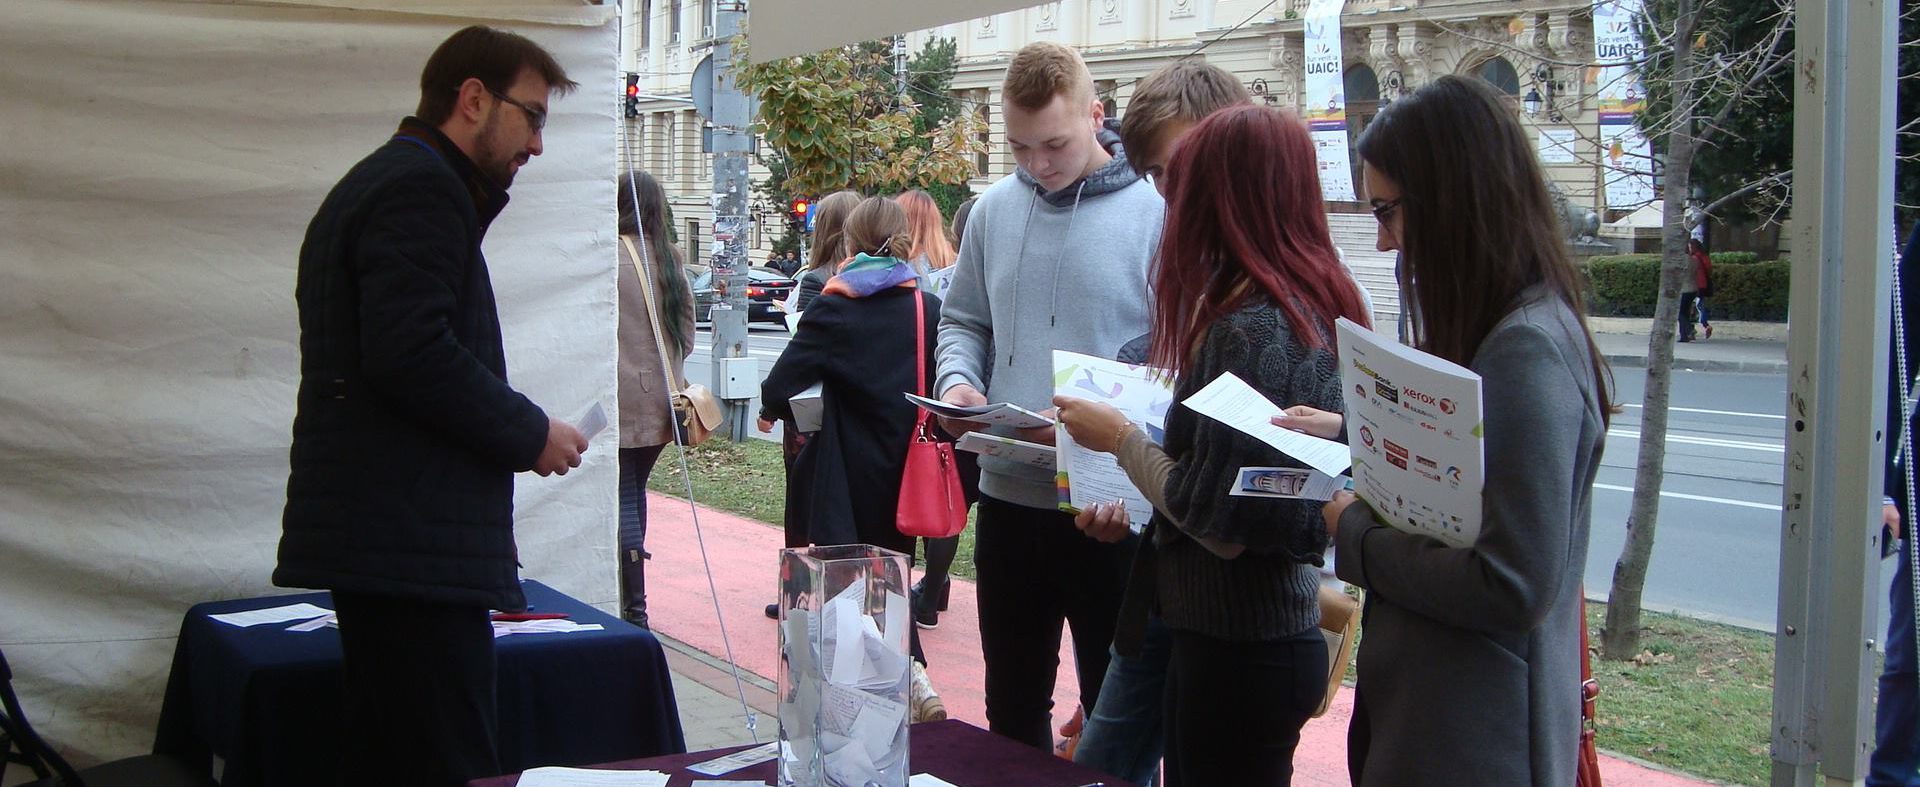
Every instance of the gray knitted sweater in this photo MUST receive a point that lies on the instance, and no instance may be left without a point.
(1270, 590)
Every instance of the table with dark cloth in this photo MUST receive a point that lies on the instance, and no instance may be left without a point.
(268, 701)
(953, 750)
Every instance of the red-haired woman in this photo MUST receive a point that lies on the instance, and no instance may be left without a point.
(1246, 282)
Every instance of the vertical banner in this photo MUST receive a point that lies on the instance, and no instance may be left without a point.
(1624, 150)
(1326, 100)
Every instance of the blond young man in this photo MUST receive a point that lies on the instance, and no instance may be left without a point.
(1055, 257)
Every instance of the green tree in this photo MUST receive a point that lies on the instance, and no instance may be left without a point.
(837, 120)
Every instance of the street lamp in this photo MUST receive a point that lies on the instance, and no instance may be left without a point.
(1532, 102)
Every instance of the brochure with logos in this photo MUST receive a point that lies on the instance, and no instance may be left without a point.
(1414, 425)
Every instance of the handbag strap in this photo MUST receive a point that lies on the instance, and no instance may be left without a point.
(1589, 688)
(920, 430)
(674, 385)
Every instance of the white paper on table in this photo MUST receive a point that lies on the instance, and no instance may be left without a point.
(728, 783)
(591, 777)
(1010, 449)
(594, 420)
(1286, 483)
(1141, 393)
(1000, 414)
(737, 760)
(315, 624)
(281, 614)
(502, 628)
(1231, 401)
(928, 780)
(1419, 460)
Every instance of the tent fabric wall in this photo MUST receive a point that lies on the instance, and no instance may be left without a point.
(161, 162)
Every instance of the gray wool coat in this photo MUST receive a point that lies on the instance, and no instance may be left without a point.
(1469, 665)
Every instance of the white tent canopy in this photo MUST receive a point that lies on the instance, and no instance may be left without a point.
(784, 28)
(161, 164)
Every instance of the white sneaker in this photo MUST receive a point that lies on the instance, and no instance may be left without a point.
(923, 701)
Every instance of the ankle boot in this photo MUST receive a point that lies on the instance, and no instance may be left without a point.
(633, 587)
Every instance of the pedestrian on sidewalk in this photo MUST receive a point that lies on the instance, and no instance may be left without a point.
(1068, 236)
(406, 434)
(652, 367)
(1896, 719)
(1471, 669)
(1242, 287)
(1689, 292)
(857, 341)
(1702, 285)
(932, 250)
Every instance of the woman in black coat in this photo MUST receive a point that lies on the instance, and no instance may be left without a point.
(860, 342)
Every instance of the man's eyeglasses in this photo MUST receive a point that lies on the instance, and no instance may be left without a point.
(536, 118)
(1383, 208)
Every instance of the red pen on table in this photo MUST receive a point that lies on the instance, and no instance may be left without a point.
(518, 616)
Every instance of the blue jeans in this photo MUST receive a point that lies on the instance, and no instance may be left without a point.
(1896, 721)
(1124, 736)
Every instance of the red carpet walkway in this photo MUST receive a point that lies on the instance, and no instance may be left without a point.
(743, 557)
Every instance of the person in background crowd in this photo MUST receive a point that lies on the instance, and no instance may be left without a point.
(406, 435)
(1471, 670)
(646, 359)
(857, 341)
(1703, 287)
(1241, 287)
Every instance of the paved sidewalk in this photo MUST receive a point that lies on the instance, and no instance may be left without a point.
(742, 553)
(1740, 348)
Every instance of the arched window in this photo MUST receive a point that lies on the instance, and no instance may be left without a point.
(1499, 73)
(1362, 88)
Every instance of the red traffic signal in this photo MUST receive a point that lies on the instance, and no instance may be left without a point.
(800, 208)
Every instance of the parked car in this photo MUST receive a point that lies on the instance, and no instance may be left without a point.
(764, 287)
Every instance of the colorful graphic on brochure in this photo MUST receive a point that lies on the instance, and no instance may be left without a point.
(1143, 393)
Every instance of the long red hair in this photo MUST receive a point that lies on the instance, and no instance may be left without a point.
(1244, 217)
(928, 228)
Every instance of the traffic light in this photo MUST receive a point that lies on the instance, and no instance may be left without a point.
(802, 213)
(633, 95)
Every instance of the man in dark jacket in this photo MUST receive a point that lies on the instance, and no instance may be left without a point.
(407, 436)
(1896, 753)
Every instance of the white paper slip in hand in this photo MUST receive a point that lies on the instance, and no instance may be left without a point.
(999, 447)
(1001, 414)
(280, 614)
(593, 421)
(928, 780)
(1231, 401)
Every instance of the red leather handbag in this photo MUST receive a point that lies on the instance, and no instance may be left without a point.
(931, 503)
(1589, 773)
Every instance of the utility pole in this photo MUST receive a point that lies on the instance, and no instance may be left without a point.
(735, 374)
(900, 63)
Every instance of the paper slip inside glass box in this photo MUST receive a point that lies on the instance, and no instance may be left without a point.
(999, 447)
(1003, 414)
(1414, 422)
(862, 734)
(1141, 393)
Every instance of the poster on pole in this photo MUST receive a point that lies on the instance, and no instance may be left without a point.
(1624, 150)
(1326, 100)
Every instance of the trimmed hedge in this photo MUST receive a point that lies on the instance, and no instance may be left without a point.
(1743, 287)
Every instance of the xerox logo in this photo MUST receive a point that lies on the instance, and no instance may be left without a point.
(1421, 397)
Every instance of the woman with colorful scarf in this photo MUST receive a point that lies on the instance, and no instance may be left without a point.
(858, 341)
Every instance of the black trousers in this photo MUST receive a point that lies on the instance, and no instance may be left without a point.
(420, 692)
(1234, 709)
(1037, 571)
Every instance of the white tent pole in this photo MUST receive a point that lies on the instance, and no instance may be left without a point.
(1829, 558)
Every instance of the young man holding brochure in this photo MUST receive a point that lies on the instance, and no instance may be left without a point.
(1055, 257)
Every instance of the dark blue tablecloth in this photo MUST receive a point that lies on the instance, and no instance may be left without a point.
(267, 700)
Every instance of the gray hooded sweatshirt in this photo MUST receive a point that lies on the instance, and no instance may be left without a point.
(1039, 272)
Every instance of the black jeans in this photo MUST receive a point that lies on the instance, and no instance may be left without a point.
(1234, 709)
(1037, 571)
(420, 696)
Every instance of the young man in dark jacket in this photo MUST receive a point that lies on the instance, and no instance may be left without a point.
(407, 436)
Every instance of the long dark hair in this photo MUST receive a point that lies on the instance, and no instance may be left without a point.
(1477, 224)
(1243, 218)
(665, 259)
